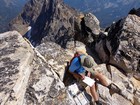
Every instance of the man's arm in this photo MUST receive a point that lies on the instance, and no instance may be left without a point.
(77, 76)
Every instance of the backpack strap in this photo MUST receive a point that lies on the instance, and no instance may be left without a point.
(79, 58)
(75, 55)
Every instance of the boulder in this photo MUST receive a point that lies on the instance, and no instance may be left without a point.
(121, 47)
(26, 76)
(129, 87)
(92, 22)
(87, 28)
(44, 86)
(16, 57)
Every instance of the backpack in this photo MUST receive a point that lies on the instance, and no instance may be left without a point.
(76, 55)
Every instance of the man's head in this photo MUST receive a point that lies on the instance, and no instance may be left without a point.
(81, 50)
(87, 62)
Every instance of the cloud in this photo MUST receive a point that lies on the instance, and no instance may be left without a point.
(125, 2)
(9, 2)
(109, 5)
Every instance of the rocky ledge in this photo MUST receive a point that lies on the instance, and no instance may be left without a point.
(26, 77)
(34, 75)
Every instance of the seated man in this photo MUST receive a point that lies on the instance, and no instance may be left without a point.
(82, 65)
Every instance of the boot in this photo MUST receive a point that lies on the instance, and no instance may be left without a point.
(98, 103)
(114, 89)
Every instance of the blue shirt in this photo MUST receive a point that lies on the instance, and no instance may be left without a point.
(76, 66)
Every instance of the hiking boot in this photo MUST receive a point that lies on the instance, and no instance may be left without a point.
(98, 103)
(114, 89)
(91, 103)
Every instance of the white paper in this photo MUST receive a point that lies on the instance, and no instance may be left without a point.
(90, 82)
(73, 89)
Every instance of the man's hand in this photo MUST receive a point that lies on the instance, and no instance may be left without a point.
(82, 76)
(88, 74)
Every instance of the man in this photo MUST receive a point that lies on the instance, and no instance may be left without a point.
(82, 65)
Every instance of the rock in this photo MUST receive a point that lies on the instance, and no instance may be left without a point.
(26, 76)
(38, 74)
(137, 76)
(86, 28)
(40, 70)
(135, 11)
(49, 24)
(127, 86)
(56, 57)
(128, 48)
(25, 19)
(16, 56)
(47, 21)
(45, 86)
(93, 23)
(121, 47)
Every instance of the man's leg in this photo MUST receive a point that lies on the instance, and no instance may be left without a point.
(112, 87)
(94, 93)
(101, 78)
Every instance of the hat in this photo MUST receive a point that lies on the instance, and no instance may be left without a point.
(81, 50)
(87, 62)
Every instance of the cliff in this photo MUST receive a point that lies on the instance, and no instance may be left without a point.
(121, 47)
(33, 75)
(50, 20)
(26, 77)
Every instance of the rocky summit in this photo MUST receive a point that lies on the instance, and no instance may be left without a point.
(34, 58)
(121, 46)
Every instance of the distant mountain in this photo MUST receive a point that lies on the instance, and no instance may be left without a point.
(106, 11)
(8, 10)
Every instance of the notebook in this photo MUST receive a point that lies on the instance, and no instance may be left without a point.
(90, 82)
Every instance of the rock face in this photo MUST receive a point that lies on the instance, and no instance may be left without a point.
(25, 19)
(27, 77)
(45, 87)
(53, 21)
(49, 18)
(16, 57)
(129, 88)
(56, 57)
(122, 46)
(40, 70)
(86, 28)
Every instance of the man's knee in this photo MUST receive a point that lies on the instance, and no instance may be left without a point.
(93, 87)
(98, 75)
